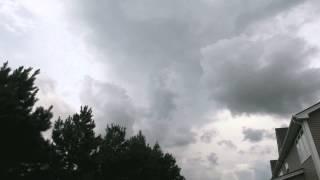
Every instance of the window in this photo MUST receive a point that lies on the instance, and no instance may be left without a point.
(302, 146)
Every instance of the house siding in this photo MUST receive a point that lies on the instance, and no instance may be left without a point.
(314, 124)
(310, 172)
(300, 177)
(307, 166)
(292, 159)
(309, 121)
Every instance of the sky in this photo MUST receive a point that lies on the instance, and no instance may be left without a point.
(207, 79)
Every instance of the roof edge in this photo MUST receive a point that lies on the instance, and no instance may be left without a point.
(288, 141)
(304, 114)
(290, 175)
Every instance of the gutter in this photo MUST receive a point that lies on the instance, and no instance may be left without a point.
(290, 175)
(294, 127)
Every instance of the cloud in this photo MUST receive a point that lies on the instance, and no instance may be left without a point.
(264, 76)
(213, 159)
(48, 96)
(199, 168)
(255, 135)
(256, 170)
(244, 174)
(154, 49)
(169, 65)
(181, 61)
(261, 170)
(207, 136)
(227, 143)
(110, 104)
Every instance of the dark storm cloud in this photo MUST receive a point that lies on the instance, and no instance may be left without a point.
(255, 135)
(180, 54)
(227, 143)
(142, 40)
(268, 76)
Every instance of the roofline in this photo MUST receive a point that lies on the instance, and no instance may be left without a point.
(292, 132)
(305, 113)
(290, 175)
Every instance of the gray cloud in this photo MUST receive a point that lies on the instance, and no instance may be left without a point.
(268, 76)
(255, 135)
(261, 150)
(179, 54)
(207, 136)
(227, 143)
(258, 150)
(156, 47)
(110, 104)
(213, 159)
(172, 64)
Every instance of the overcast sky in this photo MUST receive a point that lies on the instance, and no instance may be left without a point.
(208, 79)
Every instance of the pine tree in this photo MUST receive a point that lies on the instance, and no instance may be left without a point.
(134, 159)
(76, 145)
(111, 155)
(24, 152)
(75, 151)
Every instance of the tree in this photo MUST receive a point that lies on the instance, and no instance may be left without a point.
(111, 155)
(75, 151)
(75, 145)
(134, 159)
(24, 152)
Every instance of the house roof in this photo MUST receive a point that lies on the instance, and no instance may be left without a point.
(294, 127)
(305, 113)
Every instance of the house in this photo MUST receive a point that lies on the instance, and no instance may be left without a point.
(299, 147)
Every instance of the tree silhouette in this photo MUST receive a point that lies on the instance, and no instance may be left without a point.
(75, 145)
(24, 151)
(74, 151)
(111, 154)
(134, 159)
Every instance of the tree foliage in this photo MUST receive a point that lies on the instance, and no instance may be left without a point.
(75, 144)
(24, 150)
(74, 151)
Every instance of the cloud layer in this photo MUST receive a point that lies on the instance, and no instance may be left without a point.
(269, 76)
(171, 67)
(181, 61)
